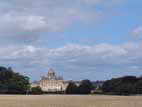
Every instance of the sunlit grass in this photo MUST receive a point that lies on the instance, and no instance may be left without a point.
(69, 101)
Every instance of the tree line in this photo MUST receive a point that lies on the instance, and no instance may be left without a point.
(12, 82)
(127, 85)
(84, 87)
(15, 83)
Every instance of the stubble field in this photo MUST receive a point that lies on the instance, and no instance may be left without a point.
(69, 101)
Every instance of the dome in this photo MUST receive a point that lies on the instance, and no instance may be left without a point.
(51, 74)
(51, 71)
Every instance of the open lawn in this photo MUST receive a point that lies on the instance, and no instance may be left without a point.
(69, 101)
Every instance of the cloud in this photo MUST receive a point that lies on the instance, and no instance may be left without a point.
(74, 58)
(30, 17)
(26, 20)
(137, 32)
(13, 23)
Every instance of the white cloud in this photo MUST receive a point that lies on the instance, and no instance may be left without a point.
(137, 32)
(29, 16)
(13, 23)
(74, 57)
(26, 19)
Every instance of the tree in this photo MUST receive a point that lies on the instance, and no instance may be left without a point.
(36, 90)
(3, 88)
(12, 82)
(71, 88)
(138, 87)
(120, 86)
(125, 89)
(85, 87)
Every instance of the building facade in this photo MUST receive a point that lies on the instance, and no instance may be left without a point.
(51, 82)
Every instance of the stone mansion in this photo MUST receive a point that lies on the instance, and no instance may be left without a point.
(51, 82)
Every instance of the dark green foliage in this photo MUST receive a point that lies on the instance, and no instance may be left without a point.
(72, 88)
(36, 90)
(123, 86)
(85, 87)
(13, 83)
(138, 87)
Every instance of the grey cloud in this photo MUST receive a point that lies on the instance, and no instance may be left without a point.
(137, 32)
(75, 57)
(30, 17)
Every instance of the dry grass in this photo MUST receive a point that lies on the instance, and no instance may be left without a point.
(69, 101)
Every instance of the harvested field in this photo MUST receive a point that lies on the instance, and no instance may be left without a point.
(69, 101)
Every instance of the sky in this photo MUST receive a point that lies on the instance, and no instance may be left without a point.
(79, 39)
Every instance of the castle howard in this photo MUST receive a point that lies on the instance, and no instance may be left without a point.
(51, 82)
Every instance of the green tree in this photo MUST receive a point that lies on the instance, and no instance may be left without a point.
(85, 87)
(36, 90)
(138, 87)
(120, 86)
(12, 82)
(72, 88)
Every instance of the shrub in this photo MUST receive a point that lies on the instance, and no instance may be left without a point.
(36, 90)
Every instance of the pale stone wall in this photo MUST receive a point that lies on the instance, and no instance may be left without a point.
(52, 83)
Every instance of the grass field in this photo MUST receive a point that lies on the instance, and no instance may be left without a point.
(69, 101)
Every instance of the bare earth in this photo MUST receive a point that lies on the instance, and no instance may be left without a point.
(69, 101)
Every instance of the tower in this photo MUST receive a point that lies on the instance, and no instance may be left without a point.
(51, 74)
